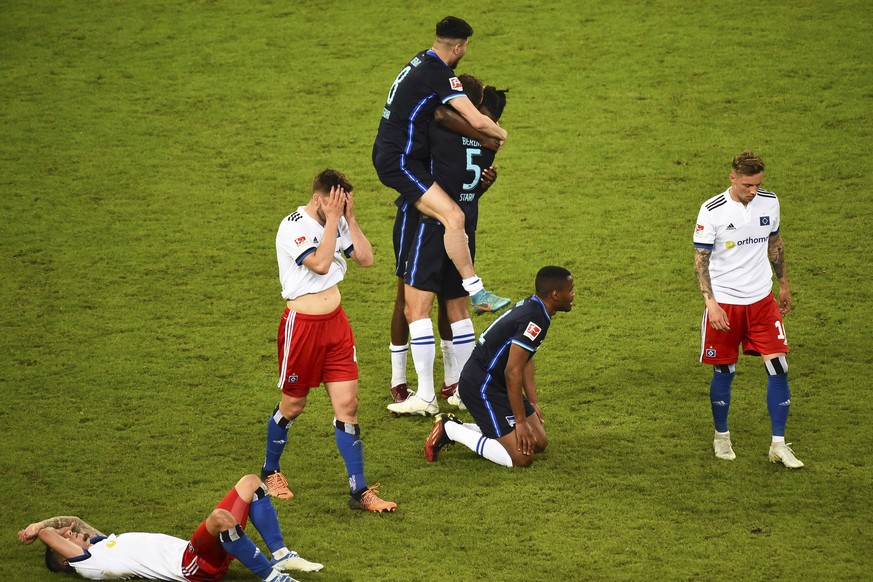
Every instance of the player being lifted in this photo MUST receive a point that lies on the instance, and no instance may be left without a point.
(497, 384)
(401, 158)
(465, 167)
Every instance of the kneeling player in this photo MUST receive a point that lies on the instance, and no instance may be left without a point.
(497, 384)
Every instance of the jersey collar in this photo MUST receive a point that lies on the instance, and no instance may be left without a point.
(543, 305)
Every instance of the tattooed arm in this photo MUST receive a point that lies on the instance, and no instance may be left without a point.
(29, 534)
(776, 252)
(716, 315)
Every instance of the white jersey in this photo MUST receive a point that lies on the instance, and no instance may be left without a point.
(739, 238)
(299, 236)
(133, 555)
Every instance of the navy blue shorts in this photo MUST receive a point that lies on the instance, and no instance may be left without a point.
(428, 267)
(405, 224)
(488, 404)
(410, 177)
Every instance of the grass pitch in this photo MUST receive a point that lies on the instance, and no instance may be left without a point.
(150, 149)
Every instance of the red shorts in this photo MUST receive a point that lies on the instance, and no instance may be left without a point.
(758, 327)
(315, 349)
(206, 560)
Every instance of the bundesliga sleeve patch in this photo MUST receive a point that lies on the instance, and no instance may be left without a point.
(456, 84)
(532, 331)
(299, 240)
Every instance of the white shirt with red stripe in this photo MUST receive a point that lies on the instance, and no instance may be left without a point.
(739, 236)
(143, 555)
(300, 235)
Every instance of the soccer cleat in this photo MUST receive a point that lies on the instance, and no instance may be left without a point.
(487, 302)
(415, 405)
(293, 561)
(723, 448)
(277, 485)
(400, 392)
(277, 576)
(437, 439)
(455, 400)
(369, 501)
(447, 391)
(781, 453)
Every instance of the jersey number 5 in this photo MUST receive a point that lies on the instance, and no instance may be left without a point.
(473, 167)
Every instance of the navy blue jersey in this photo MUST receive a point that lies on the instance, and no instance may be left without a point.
(524, 325)
(424, 84)
(456, 164)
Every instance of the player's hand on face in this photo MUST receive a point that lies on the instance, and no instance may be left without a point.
(334, 203)
(349, 211)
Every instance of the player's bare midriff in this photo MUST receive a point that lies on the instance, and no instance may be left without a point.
(320, 303)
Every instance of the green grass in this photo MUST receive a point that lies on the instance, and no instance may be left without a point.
(150, 149)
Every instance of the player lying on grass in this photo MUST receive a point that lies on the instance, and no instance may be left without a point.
(497, 385)
(74, 546)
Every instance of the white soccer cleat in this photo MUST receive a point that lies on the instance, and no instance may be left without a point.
(293, 561)
(781, 453)
(722, 446)
(455, 400)
(415, 405)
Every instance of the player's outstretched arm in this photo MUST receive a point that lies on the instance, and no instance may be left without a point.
(479, 121)
(454, 121)
(29, 534)
(57, 540)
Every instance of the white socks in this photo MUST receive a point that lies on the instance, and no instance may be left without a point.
(481, 445)
(398, 364)
(464, 340)
(423, 350)
(451, 372)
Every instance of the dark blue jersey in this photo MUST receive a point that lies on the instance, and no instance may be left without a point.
(424, 84)
(524, 325)
(456, 164)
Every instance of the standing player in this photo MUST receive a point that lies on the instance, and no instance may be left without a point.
(402, 159)
(498, 385)
(737, 231)
(315, 340)
(74, 546)
(459, 163)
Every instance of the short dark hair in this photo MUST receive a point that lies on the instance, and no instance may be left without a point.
(327, 179)
(494, 100)
(551, 279)
(55, 562)
(472, 88)
(453, 27)
(747, 164)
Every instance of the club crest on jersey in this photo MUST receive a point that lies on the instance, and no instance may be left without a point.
(532, 331)
(456, 84)
(765, 221)
(710, 352)
(299, 240)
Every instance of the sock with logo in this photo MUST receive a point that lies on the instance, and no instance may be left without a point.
(491, 449)
(263, 516)
(277, 436)
(720, 394)
(237, 544)
(348, 441)
(778, 395)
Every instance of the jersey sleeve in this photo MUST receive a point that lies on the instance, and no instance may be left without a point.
(776, 222)
(704, 230)
(296, 242)
(530, 333)
(444, 83)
